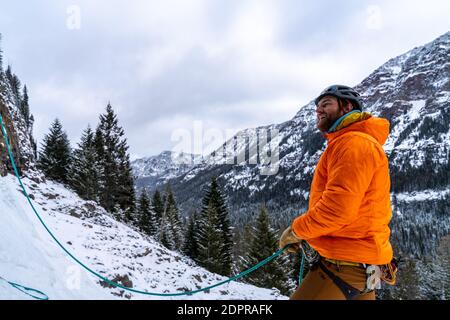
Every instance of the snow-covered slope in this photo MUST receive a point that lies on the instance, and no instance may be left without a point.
(30, 257)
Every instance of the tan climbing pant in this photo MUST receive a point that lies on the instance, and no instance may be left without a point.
(318, 286)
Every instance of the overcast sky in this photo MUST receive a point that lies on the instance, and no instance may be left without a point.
(224, 64)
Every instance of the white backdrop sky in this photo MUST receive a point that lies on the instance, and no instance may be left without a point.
(165, 65)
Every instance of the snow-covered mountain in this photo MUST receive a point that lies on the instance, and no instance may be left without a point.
(156, 170)
(413, 92)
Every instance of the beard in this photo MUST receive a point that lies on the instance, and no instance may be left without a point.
(328, 119)
(325, 123)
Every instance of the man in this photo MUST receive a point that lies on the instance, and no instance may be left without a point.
(349, 206)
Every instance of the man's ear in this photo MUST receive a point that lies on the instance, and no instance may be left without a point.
(348, 106)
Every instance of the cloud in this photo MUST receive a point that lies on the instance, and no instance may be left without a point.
(230, 64)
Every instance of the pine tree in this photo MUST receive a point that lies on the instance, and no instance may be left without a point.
(215, 199)
(164, 238)
(165, 233)
(214, 205)
(84, 169)
(24, 106)
(158, 209)
(116, 179)
(210, 240)
(1, 57)
(145, 214)
(126, 195)
(16, 85)
(190, 247)
(108, 140)
(9, 74)
(264, 243)
(107, 178)
(155, 223)
(172, 223)
(99, 146)
(55, 156)
(33, 142)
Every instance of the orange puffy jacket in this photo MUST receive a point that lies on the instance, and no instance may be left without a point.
(349, 205)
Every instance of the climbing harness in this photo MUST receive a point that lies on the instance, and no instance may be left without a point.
(315, 260)
(349, 291)
(375, 273)
(114, 284)
(345, 263)
(373, 281)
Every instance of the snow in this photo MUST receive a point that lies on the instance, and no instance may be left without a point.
(444, 96)
(30, 257)
(414, 112)
(422, 195)
(396, 69)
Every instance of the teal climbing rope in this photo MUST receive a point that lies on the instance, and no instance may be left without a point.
(302, 268)
(114, 284)
(34, 293)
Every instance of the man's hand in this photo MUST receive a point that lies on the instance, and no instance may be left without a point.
(289, 237)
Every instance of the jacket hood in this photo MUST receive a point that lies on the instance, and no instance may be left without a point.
(378, 128)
